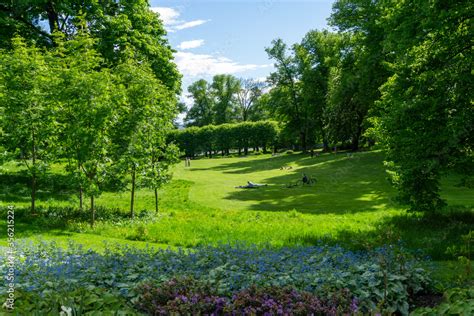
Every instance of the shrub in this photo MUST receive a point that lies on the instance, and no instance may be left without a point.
(457, 302)
(189, 296)
(321, 270)
(242, 136)
(88, 300)
(184, 296)
(288, 301)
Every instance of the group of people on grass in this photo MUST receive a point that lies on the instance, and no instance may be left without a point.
(252, 185)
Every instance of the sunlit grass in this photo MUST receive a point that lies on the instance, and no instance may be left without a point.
(351, 203)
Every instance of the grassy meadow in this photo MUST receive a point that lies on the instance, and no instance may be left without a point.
(352, 203)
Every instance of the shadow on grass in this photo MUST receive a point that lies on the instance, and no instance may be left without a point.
(249, 165)
(343, 185)
(16, 187)
(428, 235)
(431, 234)
(56, 220)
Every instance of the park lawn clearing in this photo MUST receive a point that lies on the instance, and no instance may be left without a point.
(351, 203)
(344, 183)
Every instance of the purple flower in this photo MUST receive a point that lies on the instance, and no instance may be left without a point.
(354, 307)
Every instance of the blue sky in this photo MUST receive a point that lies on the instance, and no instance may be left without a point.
(230, 36)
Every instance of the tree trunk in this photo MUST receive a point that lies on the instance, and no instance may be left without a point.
(240, 151)
(92, 211)
(33, 192)
(303, 141)
(355, 139)
(355, 143)
(52, 17)
(246, 151)
(132, 195)
(325, 139)
(325, 145)
(156, 200)
(33, 174)
(81, 194)
(81, 189)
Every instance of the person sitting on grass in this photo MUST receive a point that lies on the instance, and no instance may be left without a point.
(251, 185)
(305, 179)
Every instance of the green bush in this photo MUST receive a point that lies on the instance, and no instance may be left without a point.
(186, 296)
(457, 302)
(223, 138)
(89, 300)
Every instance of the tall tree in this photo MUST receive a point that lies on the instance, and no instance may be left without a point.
(224, 90)
(287, 92)
(361, 20)
(29, 108)
(247, 97)
(428, 120)
(347, 109)
(315, 55)
(201, 113)
(147, 111)
(89, 102)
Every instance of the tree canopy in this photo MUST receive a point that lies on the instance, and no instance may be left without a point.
(95, 86)
(117, 27)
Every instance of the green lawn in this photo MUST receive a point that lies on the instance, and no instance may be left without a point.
(351, 203)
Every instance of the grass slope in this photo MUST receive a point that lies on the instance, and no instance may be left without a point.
(352, 203)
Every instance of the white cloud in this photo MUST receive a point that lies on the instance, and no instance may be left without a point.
(170, 18)
(191, 44)
(167, 15)
(194, 65)
(190, 24)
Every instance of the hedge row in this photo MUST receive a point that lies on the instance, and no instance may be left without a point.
(215, 139)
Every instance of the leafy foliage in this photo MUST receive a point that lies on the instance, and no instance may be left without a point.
(116, 26)
(88, 300)
(28, 108)
(321, 270)
(182, 296)
(225, 100)
(210, 138)
(287, 300)
(457, 302)
(186, 295)
(429, 114)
